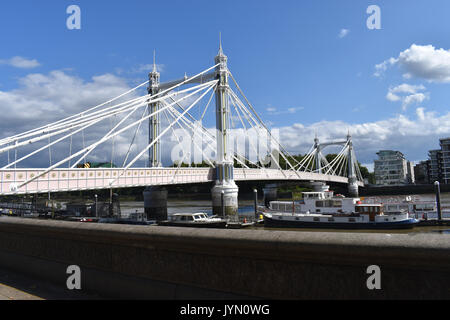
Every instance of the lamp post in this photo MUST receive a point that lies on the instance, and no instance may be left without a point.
(255, 194)
(223, 204)
(438, 200)
(96, 206)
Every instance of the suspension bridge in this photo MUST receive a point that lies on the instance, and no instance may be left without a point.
(113, 131)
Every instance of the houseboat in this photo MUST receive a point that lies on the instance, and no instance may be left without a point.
(323, 209)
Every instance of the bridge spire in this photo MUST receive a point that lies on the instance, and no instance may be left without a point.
(154, 62)
(220, 44)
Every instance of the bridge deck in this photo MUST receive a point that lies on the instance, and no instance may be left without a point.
(60, 180)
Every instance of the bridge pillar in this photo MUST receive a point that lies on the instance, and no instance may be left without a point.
(225, 191)
(155, 198)
(154, 121)
(225, 199)
(270, 194)
(155, 203)
(353, 188)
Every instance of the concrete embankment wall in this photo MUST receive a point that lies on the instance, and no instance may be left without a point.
(121, 261)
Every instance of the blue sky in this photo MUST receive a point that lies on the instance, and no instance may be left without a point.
(288, 56)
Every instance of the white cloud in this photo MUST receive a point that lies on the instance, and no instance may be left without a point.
(294, 110)
(44, 98)
(424, 62)
(382, 67)
(20, 62)
(343, 33)
(274, 111)
(414, 136)
(407, 93)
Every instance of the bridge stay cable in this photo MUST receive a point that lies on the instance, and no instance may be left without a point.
(212, 84)
(106, 138)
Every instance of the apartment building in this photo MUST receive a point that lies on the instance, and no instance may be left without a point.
(445, 160)
(392, 168)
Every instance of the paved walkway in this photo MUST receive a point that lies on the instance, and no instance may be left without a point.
(10, 293)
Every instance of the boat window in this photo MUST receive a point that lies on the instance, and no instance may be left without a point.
(316, 219)
(351, 220)
(337, 203)
(183, 218)
(190, 218)
(329, 204)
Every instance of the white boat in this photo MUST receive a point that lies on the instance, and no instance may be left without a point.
(323, 209)
(195, 220)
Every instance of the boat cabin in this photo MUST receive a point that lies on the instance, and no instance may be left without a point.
(372, 210)
(189, 217)
(317, 195)
(323, 202)
(409, 207)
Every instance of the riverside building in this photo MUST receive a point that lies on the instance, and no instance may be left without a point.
(435, 157)
(392, 168)
(445, 162)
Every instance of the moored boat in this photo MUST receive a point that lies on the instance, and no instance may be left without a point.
(194, 220)
(323, 209)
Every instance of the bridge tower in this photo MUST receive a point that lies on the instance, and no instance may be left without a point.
(225, 190)
(154, 122)
(317, 148)
(353, 188)
(155, 198)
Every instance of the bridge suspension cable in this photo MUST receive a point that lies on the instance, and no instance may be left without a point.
(113, 133)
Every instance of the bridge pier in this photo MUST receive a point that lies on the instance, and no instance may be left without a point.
(155, 203)
(353, 188)
(270, 194)
(225, 199)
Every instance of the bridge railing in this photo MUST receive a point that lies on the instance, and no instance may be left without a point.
(62, 180)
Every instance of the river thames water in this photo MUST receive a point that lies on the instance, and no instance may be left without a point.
(246, 208)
